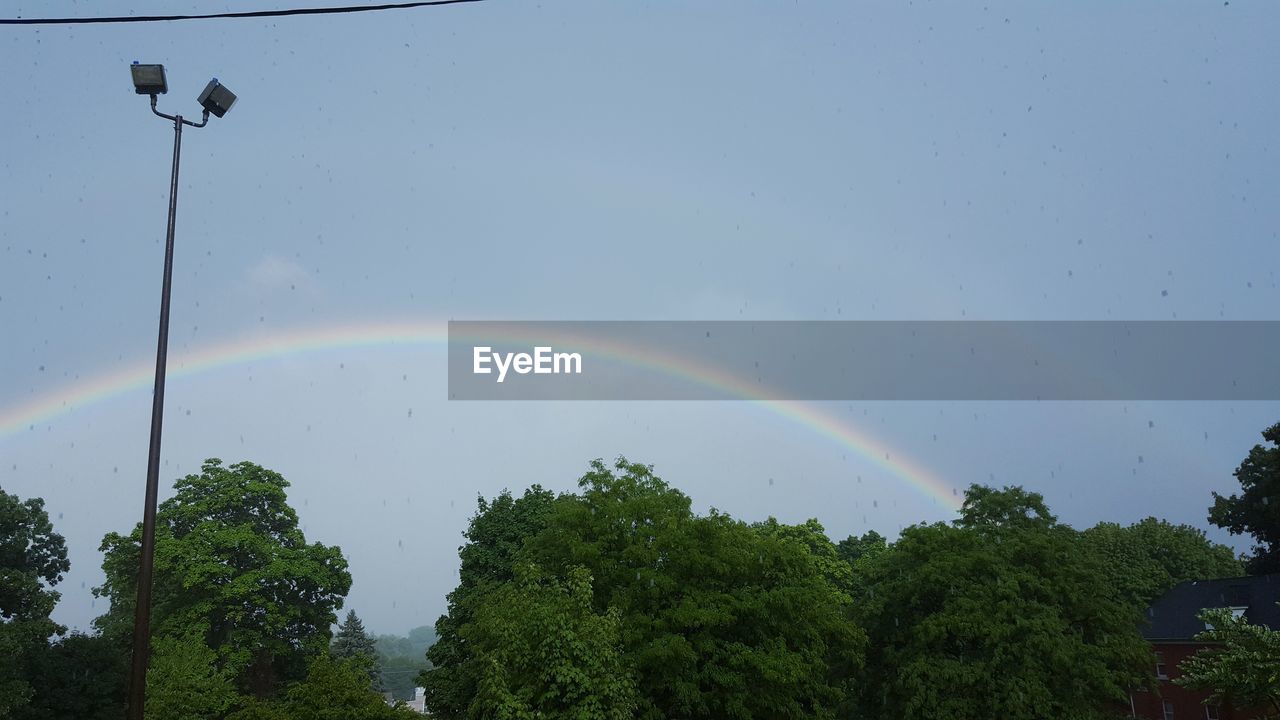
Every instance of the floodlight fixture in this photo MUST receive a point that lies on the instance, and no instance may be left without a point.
(148, 79)
(216, 98)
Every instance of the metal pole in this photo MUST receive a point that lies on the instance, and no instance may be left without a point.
(142, 610)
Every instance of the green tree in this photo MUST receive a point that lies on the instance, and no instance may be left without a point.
(334, 689)
(859, 553)
(1242, 667)
(231, 562)
(852, 549)
(403, 658)
(352, 642)
(1003, 614)
(80, 676)
(1256, 510)
(415, 644)
(542, 651)
(495, 536)
(33, 559)
(185, 682)
(812, 537)
(1147, 558)
(719, 618)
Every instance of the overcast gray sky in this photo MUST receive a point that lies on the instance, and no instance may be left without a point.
(385, 172)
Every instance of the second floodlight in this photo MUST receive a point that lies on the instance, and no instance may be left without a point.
(216, 98)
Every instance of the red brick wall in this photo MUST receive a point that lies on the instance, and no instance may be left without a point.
(1187, 704)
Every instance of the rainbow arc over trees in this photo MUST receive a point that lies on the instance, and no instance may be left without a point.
(138, 377)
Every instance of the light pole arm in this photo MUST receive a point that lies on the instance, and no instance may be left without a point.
(204, 120)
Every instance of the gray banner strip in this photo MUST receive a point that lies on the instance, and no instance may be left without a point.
(865, 360)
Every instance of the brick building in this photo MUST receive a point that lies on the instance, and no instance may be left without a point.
(1171, 630)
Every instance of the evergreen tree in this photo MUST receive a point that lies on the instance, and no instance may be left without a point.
(353, 643)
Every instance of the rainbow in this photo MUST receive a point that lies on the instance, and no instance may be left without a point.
(139, 377)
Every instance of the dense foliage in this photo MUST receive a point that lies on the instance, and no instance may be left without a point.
(402, 658)
(495, 536)
(1242, 667)
(33, 559)
(1256, 510)
(232, 567)
(352, 642)
(618, 601)
(1004, 613)
(717, 618)
(542, 651)
(79, 676)
(334, 689)
(1147, 558)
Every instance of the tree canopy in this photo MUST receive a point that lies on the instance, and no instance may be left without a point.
(232, 566)
(185, 682)
(403, 658)
(1003, 614)
(333, 689)
(1242, 665)
(495, 537)
(542, 651)
(352, 642)
(78, 676)
(1255, 510)
(33, 559)
(1147, 558)
(718, 618)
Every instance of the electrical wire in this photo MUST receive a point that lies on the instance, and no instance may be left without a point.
(213, 16)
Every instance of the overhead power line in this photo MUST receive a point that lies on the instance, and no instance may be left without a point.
(214, 16)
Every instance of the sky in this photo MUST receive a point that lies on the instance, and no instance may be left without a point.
(382, 173)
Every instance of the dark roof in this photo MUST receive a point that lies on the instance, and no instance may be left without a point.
(1173, 615)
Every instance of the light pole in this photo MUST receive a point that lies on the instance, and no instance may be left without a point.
(216, 99)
